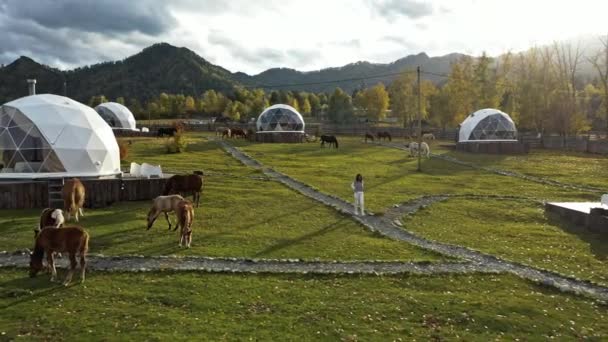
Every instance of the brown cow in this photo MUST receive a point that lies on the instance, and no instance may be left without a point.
(73, 198)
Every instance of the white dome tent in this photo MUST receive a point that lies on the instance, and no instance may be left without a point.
(280, 118)
(116, 115)
(48, 136)
(487, 125)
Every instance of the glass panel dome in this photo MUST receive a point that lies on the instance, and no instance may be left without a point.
(487, 124)
(53, 136)
(280, 118)
(23, 148)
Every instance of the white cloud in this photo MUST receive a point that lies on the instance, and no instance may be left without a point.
(243, 35)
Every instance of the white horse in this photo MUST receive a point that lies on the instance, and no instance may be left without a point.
(425, 150)
(428, 136)
(163, 204)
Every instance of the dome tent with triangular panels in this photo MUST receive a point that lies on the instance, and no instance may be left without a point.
(116, 115)
(280, 118)
(487, 125)
(48, 136)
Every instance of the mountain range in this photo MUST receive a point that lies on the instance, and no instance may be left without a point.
(166, 68)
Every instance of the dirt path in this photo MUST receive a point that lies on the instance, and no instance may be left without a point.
(387, 227)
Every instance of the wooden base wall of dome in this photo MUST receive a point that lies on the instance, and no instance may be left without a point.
(493, 147)
(279, 137)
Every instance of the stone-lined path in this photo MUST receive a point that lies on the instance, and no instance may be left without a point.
(501, 172)
(388, 228)
(135, 263)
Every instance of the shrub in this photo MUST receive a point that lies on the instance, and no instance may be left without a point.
(177, 143)
(123, 149)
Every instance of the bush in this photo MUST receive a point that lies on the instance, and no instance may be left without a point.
(177, 143)
(123, 149)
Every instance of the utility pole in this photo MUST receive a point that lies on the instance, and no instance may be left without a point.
(419, 120)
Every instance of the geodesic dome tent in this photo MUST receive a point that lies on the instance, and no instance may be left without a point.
(487, 125)
(116, 115)
(44, 136)
(280, 118)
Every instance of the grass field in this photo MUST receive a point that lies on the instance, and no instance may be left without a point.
(187, 306)
(516, 231)
(239, 217)
(390, 175)
(568, 167)
(243, 215)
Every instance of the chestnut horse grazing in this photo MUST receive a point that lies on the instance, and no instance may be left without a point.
(180, 184)
(73, 197)
(185, 216)
(369, 136)
(163, 204)
(72, 240)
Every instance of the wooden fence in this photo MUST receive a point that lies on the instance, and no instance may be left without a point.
(99, 192)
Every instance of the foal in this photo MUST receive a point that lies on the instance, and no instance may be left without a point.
(72, 240)
(185, 216)
(165, 205)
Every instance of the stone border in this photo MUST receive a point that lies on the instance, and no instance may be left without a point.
(390, 230)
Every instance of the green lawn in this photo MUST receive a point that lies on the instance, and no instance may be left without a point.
(238, 217)
(390, 174)
(517, 231)
(199, 155)
(200, 306)
(567, 167)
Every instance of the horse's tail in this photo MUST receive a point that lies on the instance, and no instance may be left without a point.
(84, 244)
(336, 140)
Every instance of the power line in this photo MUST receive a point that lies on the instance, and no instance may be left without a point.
(362, 78)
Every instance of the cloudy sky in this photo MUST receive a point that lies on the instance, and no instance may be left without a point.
(251, 36)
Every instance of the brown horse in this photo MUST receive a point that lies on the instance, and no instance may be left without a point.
(368, 136)
(238, 133)
(185, 216)
(384, 135)
(72, 240)
(73, 197)
(330, 140)
(179, 184)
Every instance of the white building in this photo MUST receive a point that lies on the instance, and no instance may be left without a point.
(487, 125)
(45, 136)
(116, 115)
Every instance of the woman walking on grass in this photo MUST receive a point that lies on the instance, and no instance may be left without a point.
(357, 187)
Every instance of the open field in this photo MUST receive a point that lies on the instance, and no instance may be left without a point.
(390, 175)
(239, 217)
(244, 214)
(568, 167)
(516, 231)
(182, 306)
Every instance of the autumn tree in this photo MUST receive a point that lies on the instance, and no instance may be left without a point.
(600, 63)
(340, 107)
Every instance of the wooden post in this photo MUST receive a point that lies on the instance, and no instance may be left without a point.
(419, 121)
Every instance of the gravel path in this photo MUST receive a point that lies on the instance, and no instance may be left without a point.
(387, 227)
(501, 172)
(138, 263)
